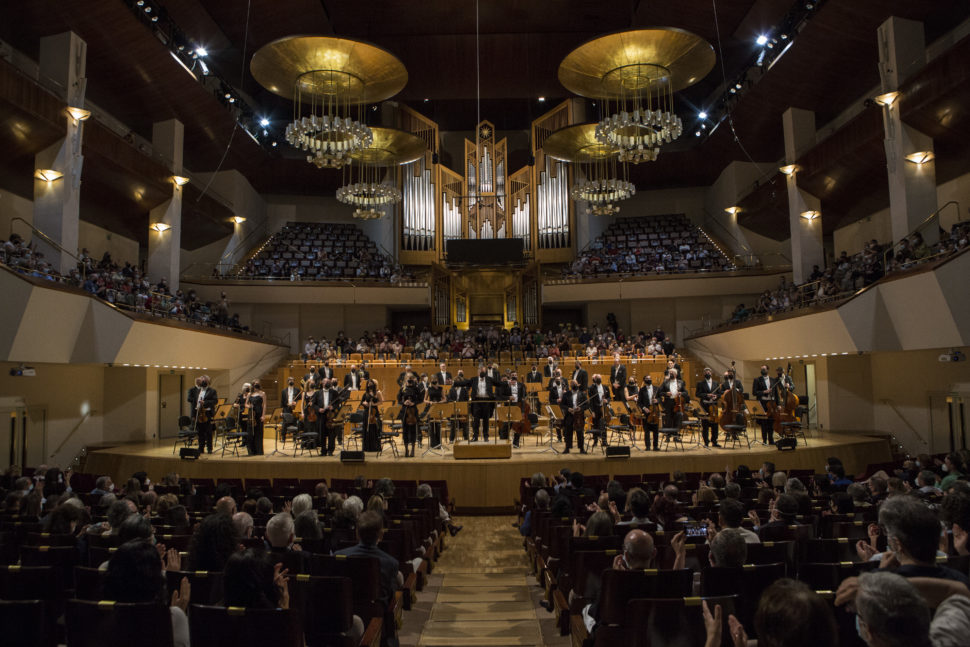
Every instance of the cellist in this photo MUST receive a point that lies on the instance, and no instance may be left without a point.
(647, 399)
(707, 391)
(765, 391)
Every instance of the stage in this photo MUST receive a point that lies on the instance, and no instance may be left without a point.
(483, 485)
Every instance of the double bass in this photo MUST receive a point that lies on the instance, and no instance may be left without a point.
(732, 407)
(788, 402)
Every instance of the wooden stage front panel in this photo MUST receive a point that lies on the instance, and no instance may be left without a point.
(485, 484)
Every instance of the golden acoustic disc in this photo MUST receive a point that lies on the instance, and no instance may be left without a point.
(323, 65)
(618, 64)
(391, 147)
(577, 144)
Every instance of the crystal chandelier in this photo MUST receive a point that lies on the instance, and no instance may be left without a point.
(603, 178)
(370, 182)
(330, 80)
(368, 214)
(641, 117)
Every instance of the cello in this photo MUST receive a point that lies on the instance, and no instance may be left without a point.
(732, 406)
(785, 411)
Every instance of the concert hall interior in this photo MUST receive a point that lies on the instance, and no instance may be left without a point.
(262, 245)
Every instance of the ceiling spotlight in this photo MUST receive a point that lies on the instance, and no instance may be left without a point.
(154, 18)
(238, 220)
(48, 174)
(232, 99)
(702, 115)
(274, 144)
(180, 180)
(738, 85)
(140, 3)
(921, 157)
(771, 44)
(227, 95)
(541, 99)
(762, 39)
(201, 52)
(264, 122)
(887, 99)
(426, 99)
(734, 90)
(811, 214)
(160, 227)
(148, 9)
(733, 210)
(697, 133)
(789, 169)
(784, 37)
(78, 114)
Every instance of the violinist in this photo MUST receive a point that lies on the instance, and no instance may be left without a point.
(647, 398)
(514, 393)
(534, 376)
(617, 377)
(312, 401)
(353, 380)
(250, 404)
(573, 404)
(783, 383)
(409, 397)
(372, 416)
(765, 390)
(327, 400)
(599, 398)
(557, 389)
(707, 392)
(202, 400)
(290, 397)
(673, 397)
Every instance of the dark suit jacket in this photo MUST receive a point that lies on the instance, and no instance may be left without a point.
(389, 567)
(701, 391)
(472, 385)
(618, 374)
(644, 398)
(507, 392)
(255, 403)
(567, 403)
(594, 397)
(458, 392)
(334, 394)
(297, 394)
(447, 378)
(325, 372)
(762, 392)
(360, 380)
(548, 370)
(209, 401)
(533, 378)
(553, 394)
(581, 376)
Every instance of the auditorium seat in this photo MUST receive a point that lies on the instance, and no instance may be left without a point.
(114, 624)
(747, 582)
(206, 585)
(325, 609)
(25, 624)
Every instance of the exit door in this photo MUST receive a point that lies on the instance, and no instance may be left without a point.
(169, 404)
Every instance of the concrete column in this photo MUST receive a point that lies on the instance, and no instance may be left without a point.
(806, 234)
(912, 186)
(57, 202)
(164, 247)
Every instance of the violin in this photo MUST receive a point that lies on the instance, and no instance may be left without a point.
(524, 424)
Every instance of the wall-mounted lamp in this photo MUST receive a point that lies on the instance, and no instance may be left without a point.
(920, 157)
(811, 214)
(78, 114)
(887, 99)
(789, 169)
(160, 227)
(180, 180)
(48, 174)
(238, 220)
(733, 210)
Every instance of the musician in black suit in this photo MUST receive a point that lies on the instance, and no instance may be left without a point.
(435, 394)
(409, 397)
(325, 372)
(250, 403)
(574, 403)
(403, 375)
(203, 394)
(494, 373)
(514, 393)
(672, 389)
(557, 388)
(364, 373)
(482, 393)
(328, 398)
(617, 377)
(648, 396)
(354, 380)
(581, 376)
(764, 391)
(290, 396)
(444, 377)
(459, 393)
(312, 402)
(533, 376)
(550, 368)
(599, 397)
(707, 391)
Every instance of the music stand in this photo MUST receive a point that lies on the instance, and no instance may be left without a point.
(222, 412)
(503, 414)
(555, 415)
(436, 414)
(276, 421)
(460, 411)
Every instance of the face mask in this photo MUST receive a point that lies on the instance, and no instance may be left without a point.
(575, 388)
(482, 374)
(764, 373)
(944, 468)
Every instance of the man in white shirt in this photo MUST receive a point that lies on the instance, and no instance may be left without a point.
(444, 377)
(291, 395)
(482, 395)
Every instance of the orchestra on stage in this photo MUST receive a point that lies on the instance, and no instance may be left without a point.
(318, 411)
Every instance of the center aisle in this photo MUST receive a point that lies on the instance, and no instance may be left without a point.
(484, 596)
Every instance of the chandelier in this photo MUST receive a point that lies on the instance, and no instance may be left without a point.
(366, 184)
(330, 80)
(603, 177)
(635, 74)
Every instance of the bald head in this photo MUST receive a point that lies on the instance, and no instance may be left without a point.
(638, 549)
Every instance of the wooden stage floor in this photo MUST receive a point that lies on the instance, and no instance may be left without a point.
(484, 485)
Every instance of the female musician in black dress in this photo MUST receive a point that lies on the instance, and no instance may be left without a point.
(409, 397)
(250, 406)
(436, 394)
(372, 416)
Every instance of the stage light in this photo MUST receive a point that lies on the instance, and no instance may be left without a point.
(541, 99)
(762, 39)
(180, 180)
(274, 144)
(887, 99)
(811, 214)
(78, 114)
(921, 157)
(48, 174)
(201, 52)
(733, 210)
(789, 169)
(238, 220)
(426, 99)
(264, 122)
(160, 227)
(697, 134)
(702, 115)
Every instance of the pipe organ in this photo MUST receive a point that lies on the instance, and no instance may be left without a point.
(418, 204)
